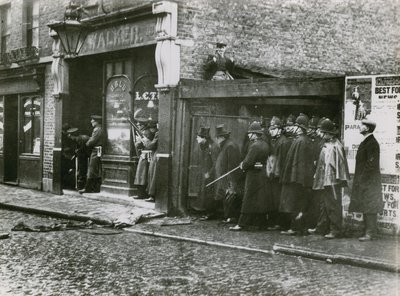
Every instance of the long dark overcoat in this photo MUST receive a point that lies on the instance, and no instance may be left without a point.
(279, 148)
(228, 158)
(256, 191)
(208, 154)
(297, 176)
(366, 196)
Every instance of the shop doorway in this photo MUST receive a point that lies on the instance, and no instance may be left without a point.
(11, 139)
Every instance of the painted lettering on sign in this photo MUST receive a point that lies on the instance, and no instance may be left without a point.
(118, 84)
(120, 37)
(146, 96)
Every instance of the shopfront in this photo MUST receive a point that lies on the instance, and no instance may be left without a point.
(113, 85)
(115, 76)
(21, 127)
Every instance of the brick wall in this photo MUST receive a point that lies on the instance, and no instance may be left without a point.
(269, 36)
(49, 125)
(335, 37)
(48, 10)
(343, 36)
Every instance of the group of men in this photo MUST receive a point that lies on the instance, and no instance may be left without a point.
(289, 177)
(82, 156)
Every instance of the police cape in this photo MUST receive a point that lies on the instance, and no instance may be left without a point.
(297, 177)
(332, 168)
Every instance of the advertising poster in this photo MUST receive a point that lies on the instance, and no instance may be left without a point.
(377, 97)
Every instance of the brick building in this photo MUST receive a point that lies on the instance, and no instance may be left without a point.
(290, 57)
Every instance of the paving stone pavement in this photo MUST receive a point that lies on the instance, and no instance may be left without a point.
(383, 253)
(100, 208)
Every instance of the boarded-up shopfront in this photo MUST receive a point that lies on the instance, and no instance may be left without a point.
(236, 103)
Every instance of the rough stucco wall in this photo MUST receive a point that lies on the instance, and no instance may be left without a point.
(336, 37)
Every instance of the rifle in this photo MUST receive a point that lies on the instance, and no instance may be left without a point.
(223, 176)
(135, 128)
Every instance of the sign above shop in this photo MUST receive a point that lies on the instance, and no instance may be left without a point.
(21, 55)
(119, 37)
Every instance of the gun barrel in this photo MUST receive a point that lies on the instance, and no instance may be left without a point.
(223, 176)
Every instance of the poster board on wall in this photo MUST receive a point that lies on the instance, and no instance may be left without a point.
(378, 97)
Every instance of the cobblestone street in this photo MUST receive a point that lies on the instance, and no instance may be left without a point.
(108, 262)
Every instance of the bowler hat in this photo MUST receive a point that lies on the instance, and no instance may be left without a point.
(72, 130)
(220, 130)
(327, 126)
(275, 123)
(255, 128)
(204, 132)
(302, 121)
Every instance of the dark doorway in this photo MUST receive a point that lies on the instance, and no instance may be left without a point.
(11, 139)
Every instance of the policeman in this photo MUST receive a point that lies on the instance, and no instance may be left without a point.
(276, 161)
(297, 177)
(331, 175)
(255, 200)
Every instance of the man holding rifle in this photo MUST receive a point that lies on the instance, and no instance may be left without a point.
(146, 145)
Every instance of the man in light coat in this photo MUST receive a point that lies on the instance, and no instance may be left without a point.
(332, 173)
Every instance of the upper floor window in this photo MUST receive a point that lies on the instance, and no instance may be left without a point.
(5, 25)
(32, 22)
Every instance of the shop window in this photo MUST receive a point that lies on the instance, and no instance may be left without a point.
(145, 98)
(32, 113)
(32, 22)
(5, 25)
(118, 101)
(1, 123)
